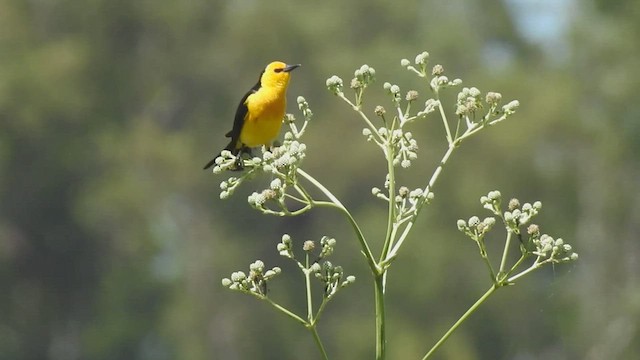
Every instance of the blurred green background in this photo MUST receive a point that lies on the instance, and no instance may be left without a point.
(113, 240)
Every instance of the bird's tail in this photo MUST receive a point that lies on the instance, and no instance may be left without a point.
(210, 163)
(229, 147)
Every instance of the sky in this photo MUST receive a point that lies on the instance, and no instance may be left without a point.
(545, 23)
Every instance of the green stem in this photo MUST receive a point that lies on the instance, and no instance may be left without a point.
(373, 129)
(286, 212)
(503, 262)
(285, 311)
(320, 310)
(381, 336)
(363, 242)
(436, 174)
(378, 273)
(471, 132)
(464, 317)
(516, 265)
(444, 120)
(311, 322)
(298, 133)
(307, 280)
(455, 136)
(533, 267)
(303, 192)
(388, 240)
(297, 199)
(485, 258)
(316, 337)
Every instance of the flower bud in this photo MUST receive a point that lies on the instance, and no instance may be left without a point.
(308, 246)
(421, 59)
(514, 204)
(412, 95)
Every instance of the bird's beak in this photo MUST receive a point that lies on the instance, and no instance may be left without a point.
(289, 68)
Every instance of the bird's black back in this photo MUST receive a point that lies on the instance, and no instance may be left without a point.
(241, 113)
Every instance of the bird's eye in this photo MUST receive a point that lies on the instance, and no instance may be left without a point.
(278, 70)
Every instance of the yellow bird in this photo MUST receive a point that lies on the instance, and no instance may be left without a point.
(260, 112)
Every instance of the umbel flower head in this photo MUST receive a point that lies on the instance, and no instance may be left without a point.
(255, 283)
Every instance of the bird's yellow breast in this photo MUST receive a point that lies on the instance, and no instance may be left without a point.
(266, 109)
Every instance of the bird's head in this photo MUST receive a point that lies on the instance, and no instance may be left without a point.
(277, 74)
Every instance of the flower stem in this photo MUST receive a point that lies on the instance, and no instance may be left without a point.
(503, 263)
(485, 258)
(389, 237)
(316, 337)
(515, 266)
(363, 242)
(444, 120)
(381, 336)
(373, 129)
(464, 317)
(436, 174)
(533, 267)
(285, 311)
(307, 280)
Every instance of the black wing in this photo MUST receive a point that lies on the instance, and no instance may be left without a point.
(238, 121)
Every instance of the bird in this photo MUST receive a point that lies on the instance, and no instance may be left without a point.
(260, 113)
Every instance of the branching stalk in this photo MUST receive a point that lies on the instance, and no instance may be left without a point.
(307, 280)
(316, 338)
(505, 253)
(462, 319)
(381, 336)
(445, 122)
(286, 311)
(389, 239)
(361, 239)
(432, 181)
